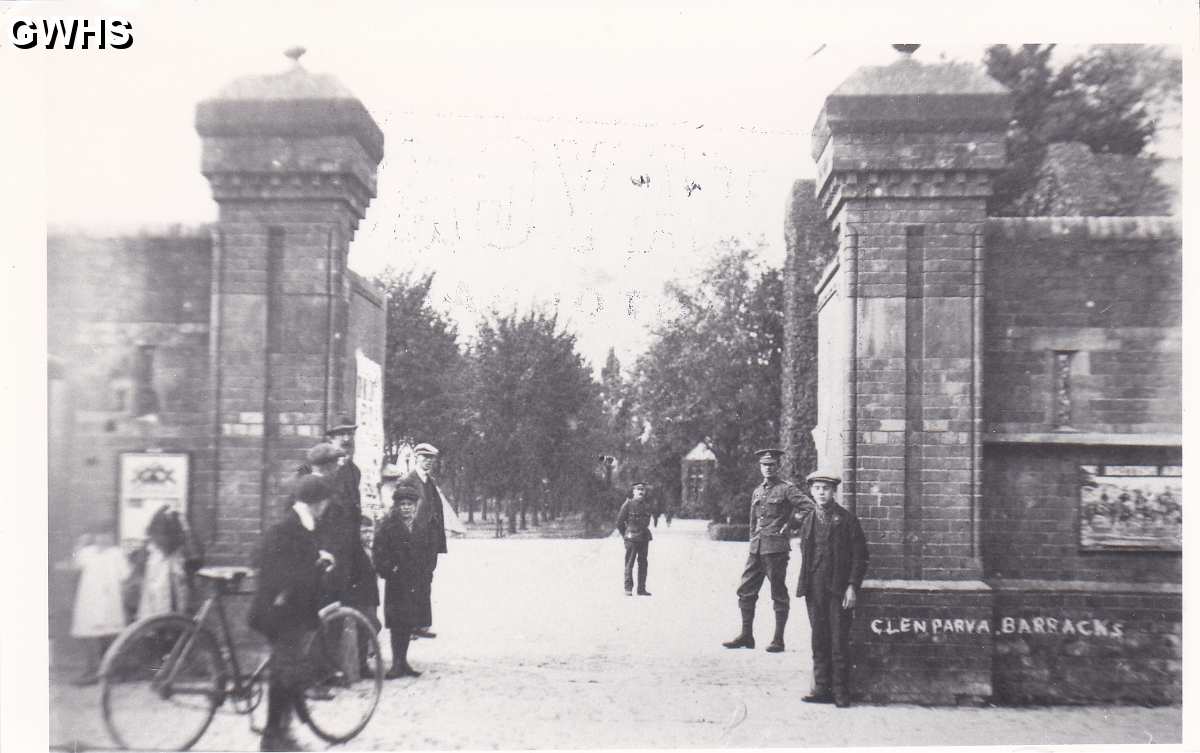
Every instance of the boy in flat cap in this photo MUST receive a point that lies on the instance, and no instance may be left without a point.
(831, 573)
(402, 568)
(287, 603)
(633, 521)
(774, 507)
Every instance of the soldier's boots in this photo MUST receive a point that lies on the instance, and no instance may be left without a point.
(745, 639)
(776, 645)
(818, 696)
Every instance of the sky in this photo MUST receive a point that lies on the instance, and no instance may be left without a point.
(513, 135)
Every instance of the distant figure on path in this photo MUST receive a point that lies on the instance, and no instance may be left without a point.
(831, 572)
(774, 508)
(633, 521)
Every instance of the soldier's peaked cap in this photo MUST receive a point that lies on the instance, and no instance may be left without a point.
(426, 449)
(823, 475)
(774, 453)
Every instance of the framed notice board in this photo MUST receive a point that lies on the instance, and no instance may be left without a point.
(1136, 507)
(147, 481)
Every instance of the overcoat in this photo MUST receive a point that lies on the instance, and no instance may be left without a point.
(405, 602)
(847, 548)
(289, 581)
(429, 524)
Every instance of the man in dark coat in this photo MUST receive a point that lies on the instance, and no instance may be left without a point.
(403, 571)
(633, 521)
(347, 476)
(287, 603)
(429, 523)
(774, 508)
(363, 592)
(352, 581)
(831, 573)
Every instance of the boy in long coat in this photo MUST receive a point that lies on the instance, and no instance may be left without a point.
(831, 574)
(404, 569)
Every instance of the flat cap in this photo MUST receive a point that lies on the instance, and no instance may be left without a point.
(773, 453)
(827, 476)
(404, 491)
(323, 453)
(426, 449)
(310, 489)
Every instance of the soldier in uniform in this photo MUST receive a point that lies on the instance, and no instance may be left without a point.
(775, 507)
(831, 572)
(633, 521)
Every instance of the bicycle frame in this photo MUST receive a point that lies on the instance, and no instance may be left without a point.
(242, 684)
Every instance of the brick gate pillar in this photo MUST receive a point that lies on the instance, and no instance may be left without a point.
(905, 158)
(291, 159)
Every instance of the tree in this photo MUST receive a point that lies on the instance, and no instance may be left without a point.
(1109, 98)
(713, 372)
(536, 411)
(424, 398)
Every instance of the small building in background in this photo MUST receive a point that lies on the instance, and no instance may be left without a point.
(696, 474)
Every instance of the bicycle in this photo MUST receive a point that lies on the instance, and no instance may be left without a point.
(175, 663)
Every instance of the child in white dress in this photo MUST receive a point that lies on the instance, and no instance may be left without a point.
(99, 612)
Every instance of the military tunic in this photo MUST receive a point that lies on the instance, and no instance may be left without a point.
(774, 506)
(633, 521)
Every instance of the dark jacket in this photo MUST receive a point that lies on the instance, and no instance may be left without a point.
(289, 580)
(429, 524)
(848, 549)
(346, 480)
(352, 580)
(403, 569)
(633, 520)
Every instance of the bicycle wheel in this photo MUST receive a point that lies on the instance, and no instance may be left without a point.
(342, 698)
(161, 683)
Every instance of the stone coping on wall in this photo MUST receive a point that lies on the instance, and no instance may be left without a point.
(925, 585)
(366, 288)
(1090, 586)
(1106, 228)
(1086, 438)
(128, 230)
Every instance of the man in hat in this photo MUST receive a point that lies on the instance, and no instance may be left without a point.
(775, 505)
(353, 580)
(633, 521)
(831, 573)
(429, 523)
(347, 475)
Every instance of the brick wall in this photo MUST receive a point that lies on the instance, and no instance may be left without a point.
(1107, 292)
(1031, 516)
(106, 296)
(1064, 646)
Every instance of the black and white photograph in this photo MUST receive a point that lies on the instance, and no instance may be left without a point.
(468, 376)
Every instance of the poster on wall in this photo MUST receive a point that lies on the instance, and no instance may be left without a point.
(148, 481)
(1131, 507)
(368, 439)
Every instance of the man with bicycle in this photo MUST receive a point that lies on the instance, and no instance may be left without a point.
(287, 603)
